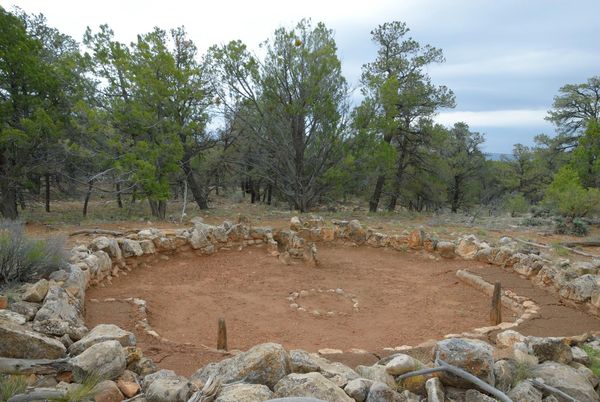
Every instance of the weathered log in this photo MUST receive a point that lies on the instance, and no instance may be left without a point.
(39, 394)
(29, 366)
(553, 390)
(222, 335)
(496, 309)
(96, 231)
(582, 243)
(544, 246)
(443, 366)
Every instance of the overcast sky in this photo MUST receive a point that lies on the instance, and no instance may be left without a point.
(505, 60)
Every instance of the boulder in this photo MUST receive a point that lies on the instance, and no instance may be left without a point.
(435, 390)
(377, 373)
(335, 372)
(26, 309)
(13, 317)
(471, 355)
(107, 391)
(302, 362)
(59, 328)
(244, 393)
(166, 386)
(147, 246)
(108, 245)
(358, 389)
(106, 360)
(580, 289)
(21, 343)
(567, 379)
(36, 292)
(401, 364)
(60, 305)
(263, 364)
(580, 355)
(128, 388)
(102, 333)
(416, 239)
(131, 248)
(379, 392)
(525, 392)
(310, 385)
(505, 372)
(554, 349)
(356, 232)
(508, 338)
(467, 248)
(446, 249)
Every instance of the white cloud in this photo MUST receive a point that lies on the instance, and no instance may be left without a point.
(495, 118)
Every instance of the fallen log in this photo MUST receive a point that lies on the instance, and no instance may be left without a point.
(572, 250)
(443, 366)
(29, 366)
(96, 231)
(583, 243)
(39, 394)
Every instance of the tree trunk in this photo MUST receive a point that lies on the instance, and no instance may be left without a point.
(119, 198)
(158, 208)
(269, 194)
(47, 184)
(8, 192)
(455, 195)
(87, 197)
(198, 192)
(376, 196)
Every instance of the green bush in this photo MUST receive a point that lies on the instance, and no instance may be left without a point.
(24, 259)
(567, 197)
(516, 204)
(579, 227)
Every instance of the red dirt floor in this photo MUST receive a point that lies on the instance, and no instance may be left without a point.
(404, 298)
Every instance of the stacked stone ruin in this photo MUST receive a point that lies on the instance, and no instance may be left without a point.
(45, 321)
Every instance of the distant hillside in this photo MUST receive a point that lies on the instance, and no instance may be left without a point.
(494, 156)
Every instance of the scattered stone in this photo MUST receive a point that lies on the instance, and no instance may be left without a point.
(22, 343)
(310, 385)
(37, 291)
(471, 355)
(567, 379)
(102, 333)
(106, 360)
(402, 364)
(244, 393)
(265, 364)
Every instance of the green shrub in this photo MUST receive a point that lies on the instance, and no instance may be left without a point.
(594, 356)
(516, 204)
(532, 221)
(25, 259)
(567, 196)
(579, 227)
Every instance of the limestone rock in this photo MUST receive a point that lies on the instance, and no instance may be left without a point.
(580, 289)
(60, 305)
(108, 245)
(356, 232)
(377, 373)
(471, 355)
(358, 389)
(106, 359)
(310, 385)
(467, 248)
(13, 317)
(59, 328)
(505, 372)
(402, 364)
(302, 362)
(379, 392)
(263, 364)
(107, 391)
(166, 386)
(446, 249)
(21, 343)
(416, 239)
(554, 349)
(525, 392)
(131, 248)
(579, 355)
(28, 310)
(567, 379)
(244, 393)
(472, 395)
(37, 291)
(102, 333)
(508, 338)
(147, 247)
(435, 390)
(335, 372)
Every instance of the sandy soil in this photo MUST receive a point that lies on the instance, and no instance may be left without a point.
(404, 298)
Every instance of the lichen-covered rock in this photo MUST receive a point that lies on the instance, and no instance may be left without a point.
(579, 355)
(106, 360)
(524, 391)
(505, 372)
(244, 393)
(166, 386)
(358, 389)
(13, 317)
(401, 364)
(263, 364)
(27, 309)
(21, 343)
(302, 362)
(446, 249)
(508, 338)
(356, 232)
(102, 333)
(36, 292)
(472, 395)
(471, 355)
(335, 372)
(467, 247)
(567, 379)
(58, 306)
(550, 349)
(377, 373)
(148, 246)
(108, 245)
(580, 289)
(312, 385)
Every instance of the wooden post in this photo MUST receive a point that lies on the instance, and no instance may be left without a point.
(496, 310)
(222, 335)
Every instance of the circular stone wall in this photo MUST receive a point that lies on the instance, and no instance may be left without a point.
(357, 298)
